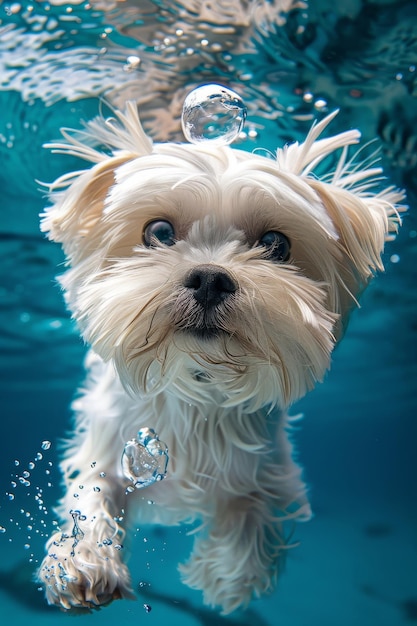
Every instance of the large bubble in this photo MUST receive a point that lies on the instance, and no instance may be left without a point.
(213, 113)
(145, 459)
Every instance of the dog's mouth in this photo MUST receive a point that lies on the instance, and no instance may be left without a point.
(207, 333)
(200, 324)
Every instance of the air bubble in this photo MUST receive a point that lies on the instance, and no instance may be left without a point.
(46, 445)
(144, 459)
(213, 113)
(320, 104)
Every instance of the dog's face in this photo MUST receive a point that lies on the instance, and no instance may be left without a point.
(214, 272)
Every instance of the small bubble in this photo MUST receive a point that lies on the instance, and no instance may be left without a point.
(320, 104)
(96, 489)
(147, 608)
(10, 496)
(38, 456)
(2, 529)
(26, 546)
(17, 462)
(118, 546)
(133, 61)
(55, 324)
(31, 465)
(102, 474)
(15, 7)
(46, 445)
(26, 474)
(395, 258)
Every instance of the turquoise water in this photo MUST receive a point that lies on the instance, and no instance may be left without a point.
(357, 560)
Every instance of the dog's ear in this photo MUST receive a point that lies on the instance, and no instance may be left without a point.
(364, 213)
(78, 197)
(364, 221)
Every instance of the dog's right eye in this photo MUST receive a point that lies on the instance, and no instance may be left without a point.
(162, 230)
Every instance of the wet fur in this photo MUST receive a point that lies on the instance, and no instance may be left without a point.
(220, 404)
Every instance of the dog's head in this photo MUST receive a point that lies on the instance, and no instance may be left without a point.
(211, 271)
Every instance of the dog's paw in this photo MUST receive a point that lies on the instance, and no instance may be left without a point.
(227, 580)
(83, 575)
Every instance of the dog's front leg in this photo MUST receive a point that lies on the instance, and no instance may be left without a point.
(83, 566)
(240, 556)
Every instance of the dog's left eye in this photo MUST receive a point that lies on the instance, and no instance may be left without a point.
(162, 230)
(277, 246)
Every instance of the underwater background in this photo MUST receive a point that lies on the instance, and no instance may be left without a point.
(292, 62)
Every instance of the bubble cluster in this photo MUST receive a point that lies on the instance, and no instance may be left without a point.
(28, 515)
(213, 113)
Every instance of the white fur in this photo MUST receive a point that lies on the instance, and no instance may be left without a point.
(219, 404)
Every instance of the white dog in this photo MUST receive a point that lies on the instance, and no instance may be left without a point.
(212, 285)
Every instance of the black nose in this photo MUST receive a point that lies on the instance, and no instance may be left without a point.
(210, 285)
